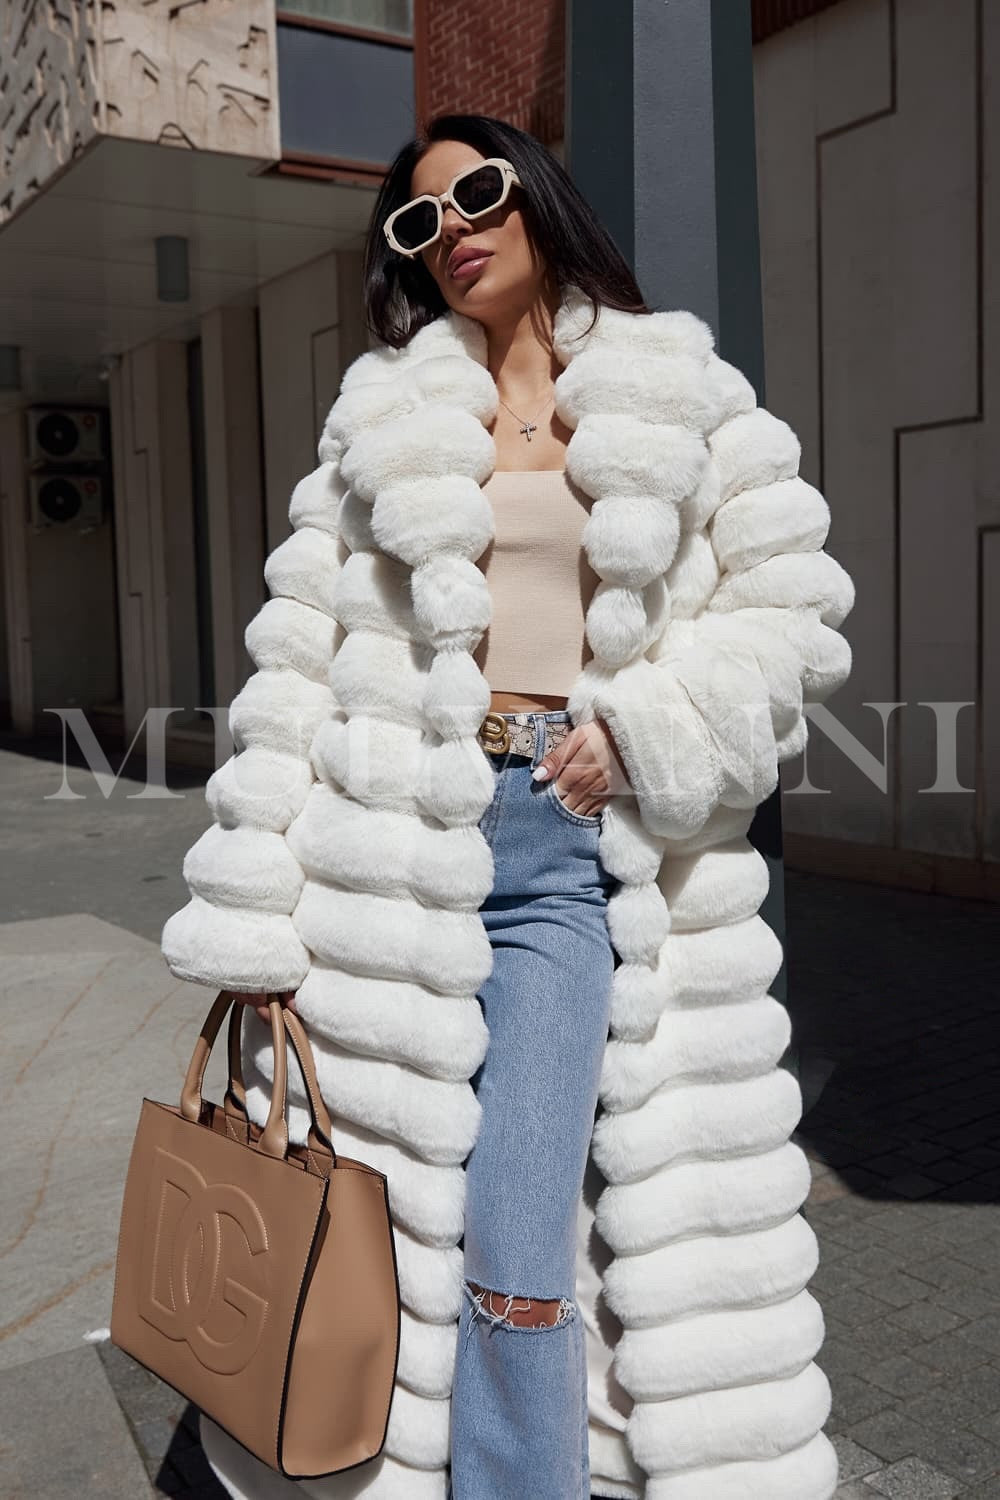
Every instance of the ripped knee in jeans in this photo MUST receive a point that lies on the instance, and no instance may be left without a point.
(509, 1309)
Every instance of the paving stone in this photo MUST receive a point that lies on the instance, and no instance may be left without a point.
(925, 1319)
(872, 1262)
(64, 1436)
(854, 1490)
(861, 1181)
(951, 1352)
(957, 1401)
(853, 1461)
(154, 1437)
(967, 1301)
(841, 1221)
(902, 1376)
(854, 1307)
(925, 1241)
(888, 1434)
(831, 1251)
(840, 1356)
(952, 1169)
(911, 1185)
(974, 1191)
(982, 1253)
(893, 1219)
(891, 1164)
(828, 1189)
(964, 1455)
(854, 1399)
(976, 1133)
(864, 1237)
(879, 1339)
(898, 1289)
(937, 1215)
(984, 1332)
(970, 1220)
(912, 1479)
(924, 1151)
(988, 1427)
(836, 1153)
(945, 1271)
(982, 1156)
(833, 1276)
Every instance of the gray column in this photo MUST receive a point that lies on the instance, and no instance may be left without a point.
(660, 140)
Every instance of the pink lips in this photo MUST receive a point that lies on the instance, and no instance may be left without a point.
(470, 266)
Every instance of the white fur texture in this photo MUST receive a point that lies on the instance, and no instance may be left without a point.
(346, 862)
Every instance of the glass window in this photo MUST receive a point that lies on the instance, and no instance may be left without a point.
(373, 15)
(344, 97)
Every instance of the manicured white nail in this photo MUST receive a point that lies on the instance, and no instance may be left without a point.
(539, 773)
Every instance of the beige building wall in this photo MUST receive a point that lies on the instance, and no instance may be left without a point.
(311, 328)
(234, 486)
(881, 294)
(58, 587)
(14, 557)
(157, 604)
(260, 439)
(196, 76)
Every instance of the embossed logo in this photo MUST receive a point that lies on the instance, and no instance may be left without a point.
(185, 1291)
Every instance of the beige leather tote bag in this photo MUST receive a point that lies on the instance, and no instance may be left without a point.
(259, 1278)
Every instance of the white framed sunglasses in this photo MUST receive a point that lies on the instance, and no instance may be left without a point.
(474, 191)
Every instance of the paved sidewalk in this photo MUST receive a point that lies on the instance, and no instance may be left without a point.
(896, 1006)
(899, 994)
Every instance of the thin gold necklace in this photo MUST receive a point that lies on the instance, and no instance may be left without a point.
(526, 427)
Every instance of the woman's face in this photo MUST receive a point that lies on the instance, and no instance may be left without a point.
(511, 276)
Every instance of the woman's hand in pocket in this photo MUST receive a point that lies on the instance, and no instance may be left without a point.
(586, 767)
(259, 1003)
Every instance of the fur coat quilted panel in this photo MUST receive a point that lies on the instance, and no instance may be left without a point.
(345, 861)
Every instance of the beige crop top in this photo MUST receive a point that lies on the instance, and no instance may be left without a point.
(540, 583)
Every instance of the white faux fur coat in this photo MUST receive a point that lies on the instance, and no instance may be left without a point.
(345, 861)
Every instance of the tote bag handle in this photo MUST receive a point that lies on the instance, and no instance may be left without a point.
(274, 1137)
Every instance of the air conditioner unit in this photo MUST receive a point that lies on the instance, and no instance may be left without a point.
(67, 500)
(65, 435)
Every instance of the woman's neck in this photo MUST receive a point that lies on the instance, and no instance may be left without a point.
(520, 356)
(524, 367)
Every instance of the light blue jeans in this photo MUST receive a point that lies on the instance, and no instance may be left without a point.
(519, 1402)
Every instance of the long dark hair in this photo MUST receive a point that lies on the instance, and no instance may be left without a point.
(401, 295)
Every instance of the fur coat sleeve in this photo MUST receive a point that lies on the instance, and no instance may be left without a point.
(703, 721)
(236, 931)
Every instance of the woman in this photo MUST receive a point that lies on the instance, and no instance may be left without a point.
(552, 607)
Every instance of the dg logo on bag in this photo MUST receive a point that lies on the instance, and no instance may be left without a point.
(185, 1290)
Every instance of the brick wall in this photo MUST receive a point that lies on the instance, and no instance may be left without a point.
(505, 58)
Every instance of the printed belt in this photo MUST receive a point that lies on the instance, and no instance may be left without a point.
(514, 733)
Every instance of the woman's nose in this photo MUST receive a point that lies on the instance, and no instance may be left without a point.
(452, 223)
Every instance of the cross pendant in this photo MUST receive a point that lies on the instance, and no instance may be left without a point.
(528, 429)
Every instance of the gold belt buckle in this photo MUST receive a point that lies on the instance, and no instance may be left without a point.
(495, 731)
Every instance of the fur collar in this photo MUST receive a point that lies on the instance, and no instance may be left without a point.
(640, 393)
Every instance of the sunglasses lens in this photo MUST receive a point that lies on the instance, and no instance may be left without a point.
(479, 191)
(416, 225)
